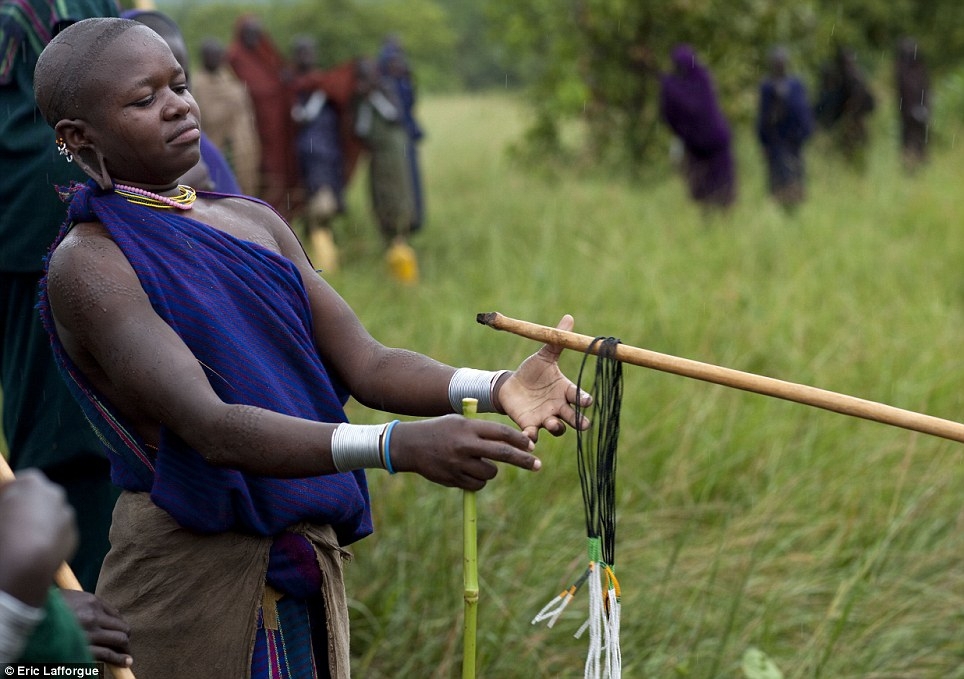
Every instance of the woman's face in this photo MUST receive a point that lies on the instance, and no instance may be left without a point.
(143, 118)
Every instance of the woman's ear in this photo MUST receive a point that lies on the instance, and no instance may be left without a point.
(74, 134)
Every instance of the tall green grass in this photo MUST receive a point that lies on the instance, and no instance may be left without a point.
(835, 545)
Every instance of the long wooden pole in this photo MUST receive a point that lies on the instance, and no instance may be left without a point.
(470, 566)
(768, 386)
(64, 577)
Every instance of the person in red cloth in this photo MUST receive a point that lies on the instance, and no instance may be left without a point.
(261, 67)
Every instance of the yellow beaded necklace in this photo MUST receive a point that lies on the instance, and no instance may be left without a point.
(182, 201)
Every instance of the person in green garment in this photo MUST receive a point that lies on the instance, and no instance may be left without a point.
(38, 532)
(43, 425)
(379, 123)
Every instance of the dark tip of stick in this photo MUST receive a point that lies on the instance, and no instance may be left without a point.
(486, 318)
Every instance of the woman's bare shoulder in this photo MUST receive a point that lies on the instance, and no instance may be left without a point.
(83, 242)
(84, 269)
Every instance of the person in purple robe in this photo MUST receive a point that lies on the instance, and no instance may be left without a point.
(689, 106)
(784, 123)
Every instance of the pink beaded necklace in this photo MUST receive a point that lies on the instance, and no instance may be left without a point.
(182, 201)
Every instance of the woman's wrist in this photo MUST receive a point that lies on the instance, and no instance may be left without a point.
(478, 384)
(362, 446)
(497, 390)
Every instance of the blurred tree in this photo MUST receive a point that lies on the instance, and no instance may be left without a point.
(344, 29)
(481, 60)
(598, 60)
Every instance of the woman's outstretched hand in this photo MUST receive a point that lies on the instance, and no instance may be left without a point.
(538, 396)
(456, 451)
(460, 452)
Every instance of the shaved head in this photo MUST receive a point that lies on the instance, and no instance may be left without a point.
(165, 27)
(71, 62)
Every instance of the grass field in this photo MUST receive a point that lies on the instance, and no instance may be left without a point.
(833, 544)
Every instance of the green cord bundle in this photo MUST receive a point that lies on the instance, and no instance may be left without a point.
(596, 458)
(596, 447)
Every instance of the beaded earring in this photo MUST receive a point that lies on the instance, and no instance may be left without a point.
(63, 150)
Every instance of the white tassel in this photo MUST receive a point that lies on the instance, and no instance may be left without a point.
(552, 610)
(614, 659)
(594, 657)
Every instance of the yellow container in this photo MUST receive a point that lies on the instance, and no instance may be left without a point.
(402, 262)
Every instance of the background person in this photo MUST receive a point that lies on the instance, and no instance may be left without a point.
(689, 106)
(228, 114)
(43, 426)
(913, 102)
(37, 624)
(395, 69)
(319, 146)
(844, 104)
(263, 70)
(784, 123)
(379, 124)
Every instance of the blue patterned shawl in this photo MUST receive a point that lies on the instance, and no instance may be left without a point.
(243, 310)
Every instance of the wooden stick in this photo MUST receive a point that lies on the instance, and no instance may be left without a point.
(470, 566)
(768, 386)
(64, 577)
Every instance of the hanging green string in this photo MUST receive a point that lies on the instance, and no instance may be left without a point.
(596, 447)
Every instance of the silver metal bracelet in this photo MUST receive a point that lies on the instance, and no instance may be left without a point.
(17, 622)
(357, 446)
(472, 383)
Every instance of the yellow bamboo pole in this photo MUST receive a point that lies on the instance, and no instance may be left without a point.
(768, 386)
(470, 566)
(65, 578)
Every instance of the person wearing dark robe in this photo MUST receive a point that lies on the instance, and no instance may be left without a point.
(844, 104)
(394, 67)
(319, 144)
(913, 102)
(42, 425)
(262, 68)
(689, 106)
(784, 123)
(339, 84)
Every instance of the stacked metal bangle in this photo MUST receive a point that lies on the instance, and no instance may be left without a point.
(17, 622)
(357, 446)
(477, 384)
(362, 446)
